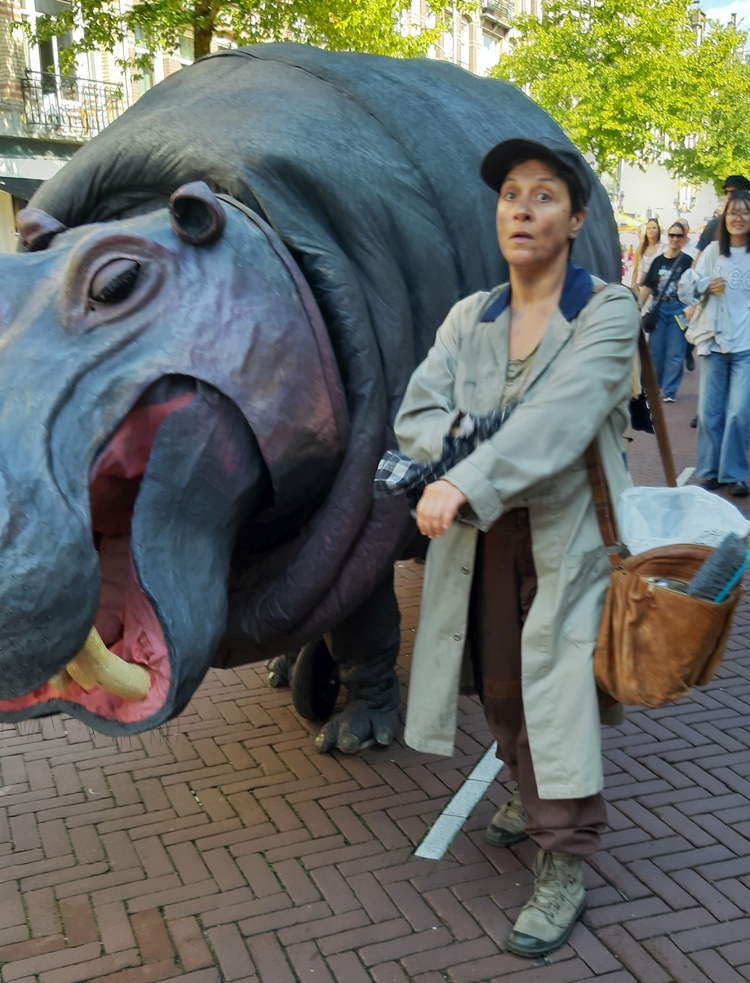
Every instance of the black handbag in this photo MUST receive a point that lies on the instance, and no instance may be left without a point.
(651, 318)
(640, 413)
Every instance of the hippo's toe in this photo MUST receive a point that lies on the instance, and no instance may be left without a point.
(280, 668)
(358, 726)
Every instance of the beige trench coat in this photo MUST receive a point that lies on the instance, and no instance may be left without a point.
(579, 388)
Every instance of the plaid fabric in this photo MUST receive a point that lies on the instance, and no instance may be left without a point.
(398, 474)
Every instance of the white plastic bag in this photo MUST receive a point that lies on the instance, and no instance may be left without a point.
(651, 517)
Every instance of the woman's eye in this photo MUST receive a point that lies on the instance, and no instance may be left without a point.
(115, 281)
(543, 196)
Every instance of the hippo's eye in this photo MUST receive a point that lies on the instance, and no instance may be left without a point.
(114, 281)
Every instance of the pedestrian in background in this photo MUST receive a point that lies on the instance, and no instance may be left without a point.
(688, 247)
(734, 183)
(667, 340)
(720, 284)
(648, 249)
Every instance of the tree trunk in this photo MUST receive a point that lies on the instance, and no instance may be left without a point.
(203, 29)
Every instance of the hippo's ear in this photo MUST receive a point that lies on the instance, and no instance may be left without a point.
(37, 229)
(196, 215)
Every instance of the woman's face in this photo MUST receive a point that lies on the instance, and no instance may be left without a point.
(676, 237)
(738, 218)
(652, 233)
(533, 218)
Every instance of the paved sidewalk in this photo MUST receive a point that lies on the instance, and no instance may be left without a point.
(225, 849)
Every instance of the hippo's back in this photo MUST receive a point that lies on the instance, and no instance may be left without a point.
(367, 167)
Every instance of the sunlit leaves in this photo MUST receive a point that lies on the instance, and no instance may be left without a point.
(354, 25)
(627, 79)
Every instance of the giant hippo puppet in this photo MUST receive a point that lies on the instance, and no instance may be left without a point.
(202, 349)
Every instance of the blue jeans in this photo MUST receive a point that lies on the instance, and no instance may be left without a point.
(667, 344)
(723, 416)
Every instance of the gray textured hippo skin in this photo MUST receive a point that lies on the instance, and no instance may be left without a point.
(195, 394)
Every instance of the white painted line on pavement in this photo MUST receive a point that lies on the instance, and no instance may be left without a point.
(684, 476)
(460, 807)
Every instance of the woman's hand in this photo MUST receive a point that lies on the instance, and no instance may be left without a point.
(437, 508)
(716, 286)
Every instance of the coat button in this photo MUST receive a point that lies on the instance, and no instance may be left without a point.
(464, 569)
(457, 637)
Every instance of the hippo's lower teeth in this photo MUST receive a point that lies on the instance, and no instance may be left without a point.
(95, 667)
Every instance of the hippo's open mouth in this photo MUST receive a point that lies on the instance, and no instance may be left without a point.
(178, 475)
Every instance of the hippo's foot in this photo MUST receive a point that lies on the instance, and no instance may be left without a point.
(280, 668)
(369, 717)
(365, 646)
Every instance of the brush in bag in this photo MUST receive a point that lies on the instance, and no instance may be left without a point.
(721, 571)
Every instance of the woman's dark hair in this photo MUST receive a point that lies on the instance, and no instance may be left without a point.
(575, 191)
(724, 238)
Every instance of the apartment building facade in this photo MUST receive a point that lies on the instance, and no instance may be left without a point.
(474, 38)
(45, 115)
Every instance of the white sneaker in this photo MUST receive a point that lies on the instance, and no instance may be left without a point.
(559, 899)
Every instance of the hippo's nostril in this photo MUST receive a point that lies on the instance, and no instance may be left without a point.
(37, 229)
(196, 215)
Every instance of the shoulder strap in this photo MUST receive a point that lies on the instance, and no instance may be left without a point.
(663, 290)
(605, 512)
(651, 385)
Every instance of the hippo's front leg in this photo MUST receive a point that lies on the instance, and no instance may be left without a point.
(365, 647)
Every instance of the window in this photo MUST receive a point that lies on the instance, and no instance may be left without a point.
(464, 48)
(45, 56)
(186, 52)
(151, 75)
(490, 53)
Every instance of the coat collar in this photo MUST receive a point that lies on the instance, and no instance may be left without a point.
(577, 291)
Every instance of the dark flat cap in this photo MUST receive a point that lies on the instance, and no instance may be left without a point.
(563, 158)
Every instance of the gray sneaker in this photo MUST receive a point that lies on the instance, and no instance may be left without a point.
(509, 823)
(559, 899)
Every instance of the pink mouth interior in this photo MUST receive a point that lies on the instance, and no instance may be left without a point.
(125, 619)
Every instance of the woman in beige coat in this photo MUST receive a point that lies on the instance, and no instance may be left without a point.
(516, 566)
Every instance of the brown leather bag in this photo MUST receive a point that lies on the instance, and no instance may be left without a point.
(654, 643)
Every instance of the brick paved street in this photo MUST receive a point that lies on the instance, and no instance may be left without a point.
(225, 849)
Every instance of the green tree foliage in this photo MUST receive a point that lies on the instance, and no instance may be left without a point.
(354, 25)
(630, 79)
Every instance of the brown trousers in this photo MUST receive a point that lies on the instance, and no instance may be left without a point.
(504, 587)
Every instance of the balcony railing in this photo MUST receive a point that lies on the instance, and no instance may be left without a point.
(73, 106)
(501, 9)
